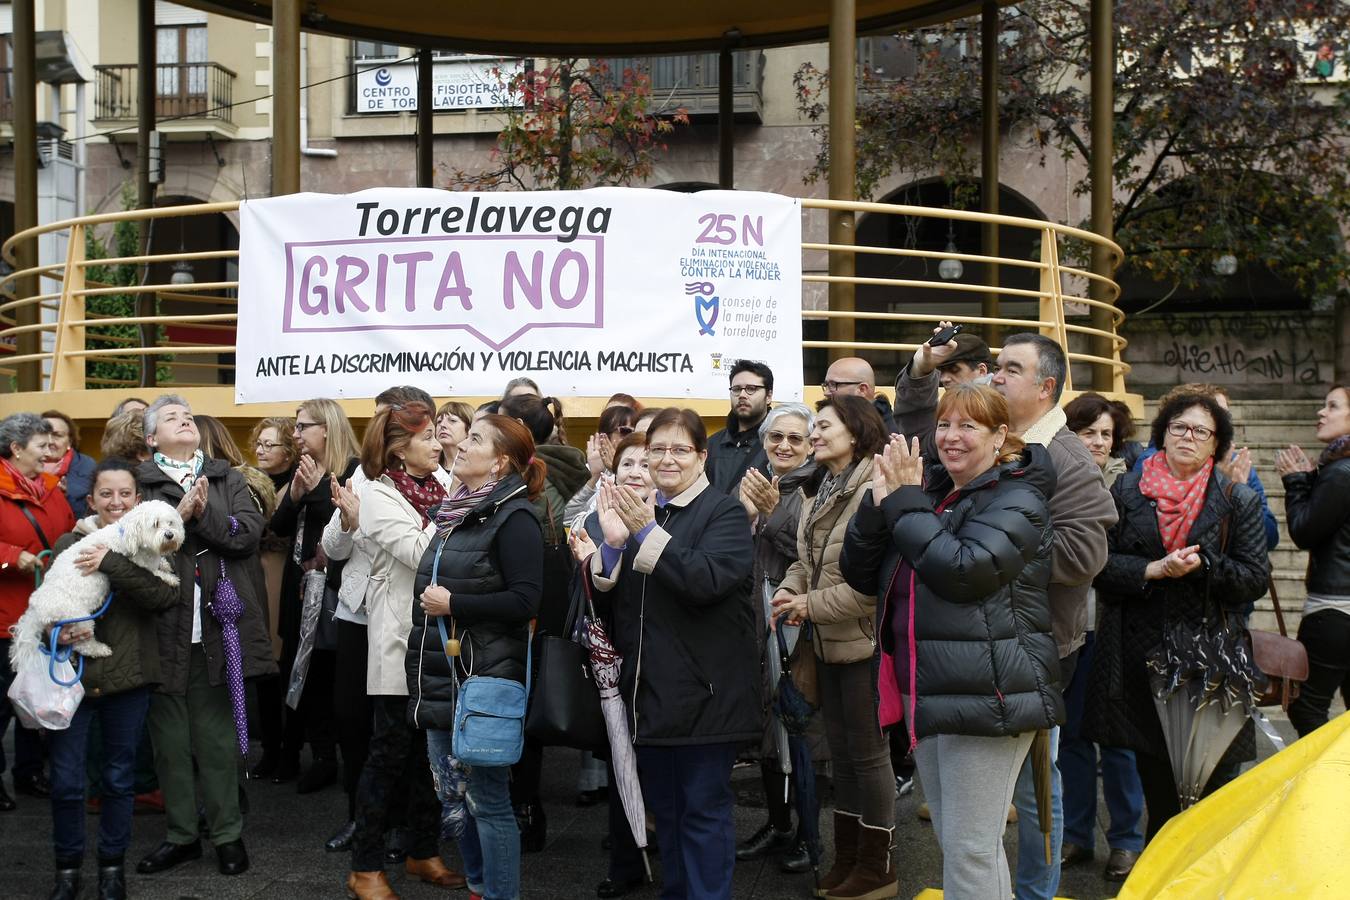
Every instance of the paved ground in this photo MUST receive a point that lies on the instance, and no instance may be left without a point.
(284, 833)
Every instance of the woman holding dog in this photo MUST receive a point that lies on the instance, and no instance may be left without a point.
(116, 693)
(191, 714)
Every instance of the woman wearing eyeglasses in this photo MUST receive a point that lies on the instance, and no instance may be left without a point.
(1170, 565)
(328, 449)
(275, 450)
(673, 572)
(774, 505)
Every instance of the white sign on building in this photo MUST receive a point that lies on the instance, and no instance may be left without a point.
(455, 84)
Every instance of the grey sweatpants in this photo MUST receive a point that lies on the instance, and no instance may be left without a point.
(968, 783)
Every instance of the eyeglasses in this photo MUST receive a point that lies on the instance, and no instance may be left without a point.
(749, 390)
(830, 387)
(625, 430)
(777, 437)
(1181, 429)
(267, 446)
(301, 426)
(678, 453)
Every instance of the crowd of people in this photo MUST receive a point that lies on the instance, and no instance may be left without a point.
(972, 583)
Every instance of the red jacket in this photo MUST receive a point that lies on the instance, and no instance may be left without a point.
(17, 534)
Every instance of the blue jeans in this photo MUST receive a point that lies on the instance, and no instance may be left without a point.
(453, 807)
(688, 789)
(121, 718)
(498, 835)
(1078, 766)
(1037, 880)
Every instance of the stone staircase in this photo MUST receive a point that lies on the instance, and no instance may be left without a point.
(1266, 426)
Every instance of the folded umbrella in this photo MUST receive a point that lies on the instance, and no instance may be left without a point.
(606, 664)
(227, 608)
(776, 667)
(1043, 780)
(311, 592)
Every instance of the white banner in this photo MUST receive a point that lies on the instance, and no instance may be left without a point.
(459, 84)
(649, 292)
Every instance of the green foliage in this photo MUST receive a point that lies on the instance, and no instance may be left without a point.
(1229, 137)
(580, 126)
(124, 241)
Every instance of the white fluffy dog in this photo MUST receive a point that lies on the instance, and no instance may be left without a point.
(146, 535)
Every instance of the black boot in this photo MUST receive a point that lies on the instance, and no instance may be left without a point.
(533, 825)
(67, 885)
(112, 882)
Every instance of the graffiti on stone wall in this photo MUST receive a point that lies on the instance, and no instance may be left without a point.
(1276, 348)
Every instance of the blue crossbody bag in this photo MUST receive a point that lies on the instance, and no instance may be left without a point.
(489, 725)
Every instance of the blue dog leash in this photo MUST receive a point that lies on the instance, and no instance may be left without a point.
(60, 654)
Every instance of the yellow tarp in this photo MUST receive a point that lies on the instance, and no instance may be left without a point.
(1280, 830)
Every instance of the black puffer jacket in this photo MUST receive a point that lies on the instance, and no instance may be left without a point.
(685, 621)
(1132, 612)
(492, 564)
(985, 659)
(1317, 505)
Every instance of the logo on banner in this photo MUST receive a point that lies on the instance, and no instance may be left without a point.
(383, 77)
(706, 306)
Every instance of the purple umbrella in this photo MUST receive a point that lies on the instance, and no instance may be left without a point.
(605, 663)
(227, 608)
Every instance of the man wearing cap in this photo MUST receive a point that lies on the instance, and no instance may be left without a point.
(852, 376)
(962, 359)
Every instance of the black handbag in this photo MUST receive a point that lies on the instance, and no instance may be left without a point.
(564, 708)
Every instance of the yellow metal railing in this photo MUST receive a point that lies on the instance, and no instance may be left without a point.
(65, 288)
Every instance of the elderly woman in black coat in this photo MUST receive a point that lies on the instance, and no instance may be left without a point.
(675, 571)
(1189, 547)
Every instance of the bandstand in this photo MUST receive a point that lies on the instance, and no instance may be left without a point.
(1066, 291)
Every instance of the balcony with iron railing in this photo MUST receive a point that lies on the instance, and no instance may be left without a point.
(690, 81)
(190, 98)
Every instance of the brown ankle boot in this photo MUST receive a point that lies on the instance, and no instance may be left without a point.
(369, 886)
(846, 825)
(873, 875)
(433, 870)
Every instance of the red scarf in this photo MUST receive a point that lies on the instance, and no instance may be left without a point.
(424, 498)
(59, 467)
(1179, 502)
(36, 487)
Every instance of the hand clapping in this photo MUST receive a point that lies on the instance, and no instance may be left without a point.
(635, 513)
(582, 545)
(193, 503)
(896, 466)
(348, 504)
(308, 473)
(1291, 460)
(759, 491)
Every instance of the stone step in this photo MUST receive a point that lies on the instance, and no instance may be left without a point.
(1279, 431)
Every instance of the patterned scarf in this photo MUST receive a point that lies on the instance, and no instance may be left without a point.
(1179, 502)
(183, 473)
(423, 497)
(1337, 449)
(457, 506)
